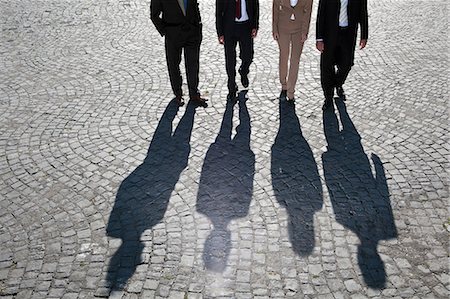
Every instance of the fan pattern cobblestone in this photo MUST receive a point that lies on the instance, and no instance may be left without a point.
(349, 204)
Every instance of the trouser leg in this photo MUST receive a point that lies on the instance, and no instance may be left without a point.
(327, 72)
(191, 58)
(296, 52)
(230, 61)
(344, 56)
(173, 57)
(284, 45)
(245, 47)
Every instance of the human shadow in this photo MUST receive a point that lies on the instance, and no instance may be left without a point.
(360, 199)
(296, 180)
(143, 197)
(226, 184)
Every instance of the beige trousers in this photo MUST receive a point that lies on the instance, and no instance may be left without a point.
(291, 47)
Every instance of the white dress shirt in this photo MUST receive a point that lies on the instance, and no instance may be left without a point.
(343, 16)
(244, 14)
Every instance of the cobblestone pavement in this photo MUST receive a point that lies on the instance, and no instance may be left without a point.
(107, 190)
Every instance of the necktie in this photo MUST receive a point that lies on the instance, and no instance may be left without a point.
(238, 9)
(185, 5)
(343, 18)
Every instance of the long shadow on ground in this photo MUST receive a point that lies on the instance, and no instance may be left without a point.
(360, 199)
(226, 184)
(296, 180)
(143, 197)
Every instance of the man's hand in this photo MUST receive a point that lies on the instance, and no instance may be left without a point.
(362, 44)
(320, 46)
(221, 39)
(275, 35)
(254, 33)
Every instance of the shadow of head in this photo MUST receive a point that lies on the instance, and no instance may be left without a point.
(217, 249)
(143, 196)
(360, 198)
(226, 184)
(372, 266)
(295, 180)
(123, 264)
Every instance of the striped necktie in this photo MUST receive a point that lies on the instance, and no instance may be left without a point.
(343, 17)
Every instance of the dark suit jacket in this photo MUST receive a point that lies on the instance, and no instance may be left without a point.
(327, 25)
(172, 17)
(226, 12)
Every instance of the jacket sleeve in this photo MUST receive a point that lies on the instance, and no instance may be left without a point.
(306, 20)
(256, 15)
(320, 21)
(220, 9)
(275, 15)
(364, 20)
(155, 12)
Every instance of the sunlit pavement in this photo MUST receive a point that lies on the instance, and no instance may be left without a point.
(107, 189)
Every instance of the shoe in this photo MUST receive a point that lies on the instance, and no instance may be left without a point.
(197, 99)
(327, 104)
(340, 92)
(179, 100)
(244, 79)
(232, 94)
(283, 93)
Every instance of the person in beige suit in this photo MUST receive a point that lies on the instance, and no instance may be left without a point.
(290, 27)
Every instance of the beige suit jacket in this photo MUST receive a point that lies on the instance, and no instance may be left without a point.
(282, 12)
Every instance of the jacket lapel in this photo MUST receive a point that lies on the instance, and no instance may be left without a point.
(181, 4)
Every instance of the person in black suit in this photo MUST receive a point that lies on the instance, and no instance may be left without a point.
(237, 21)
(358, 192)
(336, 33)
(179, 21)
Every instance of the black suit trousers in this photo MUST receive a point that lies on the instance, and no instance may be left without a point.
(238, 34)
(178, 39)
(337, 60)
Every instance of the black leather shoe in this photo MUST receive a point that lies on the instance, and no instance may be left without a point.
(244, 79)
(198, 100)
(232, 93)
(327, 104)
(340, 92)
(283, 93)
(179, 100)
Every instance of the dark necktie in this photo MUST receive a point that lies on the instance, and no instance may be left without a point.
(185, 5)
(238, 9)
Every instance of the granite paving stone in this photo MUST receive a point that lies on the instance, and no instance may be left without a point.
(109, 190)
